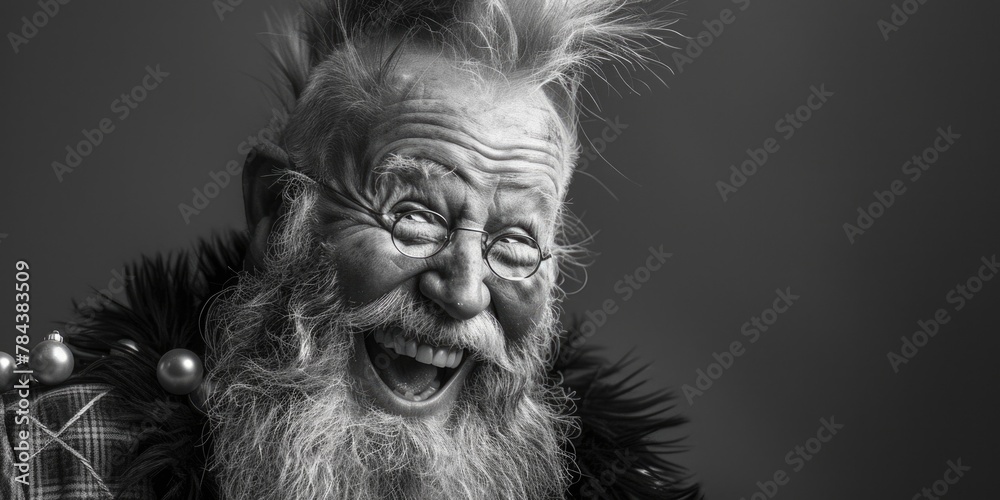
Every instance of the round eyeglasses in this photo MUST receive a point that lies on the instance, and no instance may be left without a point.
(423, 233)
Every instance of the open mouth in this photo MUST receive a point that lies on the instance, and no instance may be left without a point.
(412, 370)
(409, 375)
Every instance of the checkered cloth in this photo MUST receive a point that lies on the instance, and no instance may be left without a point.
(78, 447)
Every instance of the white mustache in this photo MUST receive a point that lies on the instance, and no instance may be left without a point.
(482, 336)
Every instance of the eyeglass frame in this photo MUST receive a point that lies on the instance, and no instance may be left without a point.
(485, 242)
(542, 256)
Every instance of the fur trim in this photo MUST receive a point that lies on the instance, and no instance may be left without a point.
(617, 420)
(617, 454)
(165, 300)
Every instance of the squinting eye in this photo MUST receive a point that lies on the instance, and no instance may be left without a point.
(419, 233)
(509, 239)
(513, 256)
(417, 217)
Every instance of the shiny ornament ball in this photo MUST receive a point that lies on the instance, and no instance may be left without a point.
(126, 343)
(7, 378)
(51, 361)
(179, 371)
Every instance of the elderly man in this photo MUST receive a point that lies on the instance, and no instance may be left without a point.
(393, 331)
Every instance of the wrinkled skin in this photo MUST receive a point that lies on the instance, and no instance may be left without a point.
(294, 421)
(499, 167)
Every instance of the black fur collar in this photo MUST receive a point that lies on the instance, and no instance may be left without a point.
(617, 455)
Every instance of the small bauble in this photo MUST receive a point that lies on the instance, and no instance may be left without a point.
(7, 378)
(51, 361)
(179, 371)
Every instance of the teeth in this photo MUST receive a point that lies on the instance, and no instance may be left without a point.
(427, 393)
(441, 357)
(425, 354)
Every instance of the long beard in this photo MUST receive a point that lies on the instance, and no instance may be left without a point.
(287, 423)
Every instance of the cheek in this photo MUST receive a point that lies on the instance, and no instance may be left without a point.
(520, 306)
(368, 265)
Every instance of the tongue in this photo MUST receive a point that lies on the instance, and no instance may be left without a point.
(406, 374)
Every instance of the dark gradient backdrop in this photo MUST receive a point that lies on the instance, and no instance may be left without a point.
(826, 356)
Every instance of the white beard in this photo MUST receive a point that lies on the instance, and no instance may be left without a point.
(286, 423)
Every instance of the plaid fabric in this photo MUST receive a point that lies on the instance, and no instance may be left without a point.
(78, 448)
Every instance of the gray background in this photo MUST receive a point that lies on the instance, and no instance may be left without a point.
(825, 357)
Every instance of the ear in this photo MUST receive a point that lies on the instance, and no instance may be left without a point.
(261, 198)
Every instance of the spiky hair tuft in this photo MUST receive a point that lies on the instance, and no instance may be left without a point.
(545, 41)
(342, 52)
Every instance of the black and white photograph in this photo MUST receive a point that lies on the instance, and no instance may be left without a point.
(499, 249)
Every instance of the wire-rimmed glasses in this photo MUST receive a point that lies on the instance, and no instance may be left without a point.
(423, 233)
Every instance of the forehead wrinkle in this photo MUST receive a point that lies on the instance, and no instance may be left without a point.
(468, 164)
(405, 168)
(497, 131)
(433, 120)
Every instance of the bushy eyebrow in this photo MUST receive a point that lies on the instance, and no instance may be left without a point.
(389, 177)
(402, 167)
(409, 166)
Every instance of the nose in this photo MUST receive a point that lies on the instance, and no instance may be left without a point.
(456, 279)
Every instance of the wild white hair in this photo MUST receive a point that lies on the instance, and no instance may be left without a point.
(336, 60)
(544, 41)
